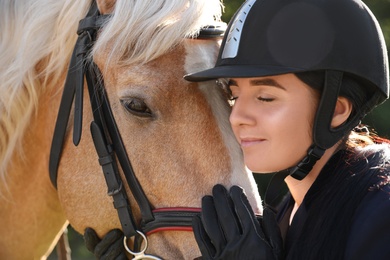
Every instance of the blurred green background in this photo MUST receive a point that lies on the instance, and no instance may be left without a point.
(379, 119)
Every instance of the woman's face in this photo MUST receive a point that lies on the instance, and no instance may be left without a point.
(272, 119)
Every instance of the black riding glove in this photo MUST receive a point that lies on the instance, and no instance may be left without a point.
(229, 229)
(109, 248)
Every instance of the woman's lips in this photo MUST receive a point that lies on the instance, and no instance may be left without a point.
(246, 142)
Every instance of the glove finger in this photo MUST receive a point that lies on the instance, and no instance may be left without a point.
(272, 230)
(122, 257)
(204, 243)
(108, 241)
(246, 216)
(226, 213)
(211, 224)
(91, 239)
(115, 251)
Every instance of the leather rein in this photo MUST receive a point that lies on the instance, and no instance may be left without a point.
(108, 143)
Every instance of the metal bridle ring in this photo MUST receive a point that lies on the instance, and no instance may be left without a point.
(141, 253)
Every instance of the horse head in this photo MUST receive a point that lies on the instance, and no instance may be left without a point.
(176, 134)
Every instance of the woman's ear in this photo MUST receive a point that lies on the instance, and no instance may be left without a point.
(342, 111)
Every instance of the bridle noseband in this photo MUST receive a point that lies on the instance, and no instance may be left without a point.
(108, 142)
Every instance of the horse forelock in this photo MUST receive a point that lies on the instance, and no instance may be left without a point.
(152, 28)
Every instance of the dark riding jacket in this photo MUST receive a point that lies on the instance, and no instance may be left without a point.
(346, 212)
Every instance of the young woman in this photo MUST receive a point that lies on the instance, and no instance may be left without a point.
(301, 75)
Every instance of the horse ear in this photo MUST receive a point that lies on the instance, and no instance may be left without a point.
(106, 6)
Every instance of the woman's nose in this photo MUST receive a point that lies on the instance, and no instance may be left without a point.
(241, 113)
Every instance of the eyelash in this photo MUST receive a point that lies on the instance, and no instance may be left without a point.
(265, 99)
(232, 98)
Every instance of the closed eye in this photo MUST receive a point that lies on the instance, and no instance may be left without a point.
(136, 107)
(232, 99)
(265, 99)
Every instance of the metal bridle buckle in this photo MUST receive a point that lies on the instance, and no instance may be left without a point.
(141, 254)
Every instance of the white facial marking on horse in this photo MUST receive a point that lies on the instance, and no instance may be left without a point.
(199, 58)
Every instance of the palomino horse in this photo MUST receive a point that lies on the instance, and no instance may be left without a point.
(176, 133)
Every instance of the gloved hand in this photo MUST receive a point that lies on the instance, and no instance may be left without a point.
(229, 229)
(109, 248)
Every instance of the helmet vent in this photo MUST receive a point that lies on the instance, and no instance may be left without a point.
(234, 36)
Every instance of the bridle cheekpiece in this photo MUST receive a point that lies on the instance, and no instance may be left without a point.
(108, 142)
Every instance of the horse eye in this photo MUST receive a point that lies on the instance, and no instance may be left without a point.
(137, 107)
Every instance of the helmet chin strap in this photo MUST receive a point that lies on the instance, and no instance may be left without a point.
(306, 165)
(324, 137)
(273, 194)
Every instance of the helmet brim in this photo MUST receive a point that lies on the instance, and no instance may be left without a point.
(241, 71)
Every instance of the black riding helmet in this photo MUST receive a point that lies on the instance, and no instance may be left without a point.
(339, 37)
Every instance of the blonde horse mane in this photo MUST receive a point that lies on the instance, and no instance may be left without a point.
(37, 39)
(153, 27)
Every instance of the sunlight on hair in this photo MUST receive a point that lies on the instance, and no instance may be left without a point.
(156, 28)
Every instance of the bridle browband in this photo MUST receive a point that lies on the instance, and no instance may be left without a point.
(108, 142)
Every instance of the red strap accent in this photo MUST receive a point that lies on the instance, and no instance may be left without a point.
(178, 209)
(174, 228)
(169, 229)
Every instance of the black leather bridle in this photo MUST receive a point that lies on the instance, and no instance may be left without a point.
(107, 140)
